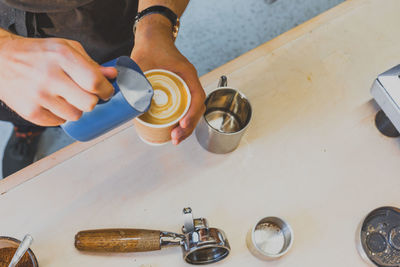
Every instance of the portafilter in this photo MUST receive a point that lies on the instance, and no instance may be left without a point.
(200, 243)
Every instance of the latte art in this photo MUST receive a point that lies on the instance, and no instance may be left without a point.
(169, 101)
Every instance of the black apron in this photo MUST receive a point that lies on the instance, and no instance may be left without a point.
(103, 27)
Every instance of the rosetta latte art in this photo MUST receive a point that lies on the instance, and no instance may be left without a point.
(169, 100)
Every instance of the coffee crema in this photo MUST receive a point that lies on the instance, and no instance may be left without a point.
(169, 101)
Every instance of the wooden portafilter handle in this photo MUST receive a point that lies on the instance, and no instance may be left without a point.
(118, 240)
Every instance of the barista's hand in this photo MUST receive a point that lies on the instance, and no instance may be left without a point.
(49, 81)
(155, 49)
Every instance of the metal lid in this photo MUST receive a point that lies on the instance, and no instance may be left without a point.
(134, 86)
(380, 237)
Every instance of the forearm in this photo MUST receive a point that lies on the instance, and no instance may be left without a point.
(156, 25)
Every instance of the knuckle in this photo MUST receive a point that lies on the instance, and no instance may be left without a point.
(53, 43)
(203, 108)
(189, 133)
(58, 49)
(33, 113)
(91, 104)
(43, 80)
(202, 96)
(41, 93)
(94, 82)
(76, 115)
(75, 43)
(64, 51)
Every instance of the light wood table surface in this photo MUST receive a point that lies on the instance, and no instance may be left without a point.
(312, 155)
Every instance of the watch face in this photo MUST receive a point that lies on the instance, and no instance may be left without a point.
(175, 29)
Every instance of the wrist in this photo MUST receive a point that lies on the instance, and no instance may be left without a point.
(156, 21)
(153, 28)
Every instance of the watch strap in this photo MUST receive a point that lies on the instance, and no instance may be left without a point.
(166, 12)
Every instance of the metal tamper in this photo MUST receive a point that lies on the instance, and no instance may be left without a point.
(200, 243)
(386, 92)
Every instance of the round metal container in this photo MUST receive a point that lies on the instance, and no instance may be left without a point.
(270, 238)
(227, 116)
(378, 237)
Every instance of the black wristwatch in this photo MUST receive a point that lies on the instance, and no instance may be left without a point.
(165, 11)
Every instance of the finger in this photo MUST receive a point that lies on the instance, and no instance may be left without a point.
(86, 73)
(179, 134)
(195, 111)
(44, 117)
(109, 72)
(197, 107)
(67, 89)
(61, 108)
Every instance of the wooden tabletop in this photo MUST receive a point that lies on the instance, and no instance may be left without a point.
(311, 155)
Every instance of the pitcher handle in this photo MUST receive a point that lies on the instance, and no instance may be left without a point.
(223, 81)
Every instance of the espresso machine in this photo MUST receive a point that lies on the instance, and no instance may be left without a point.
(386, 92)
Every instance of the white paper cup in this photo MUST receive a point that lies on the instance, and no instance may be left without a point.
(158, 134)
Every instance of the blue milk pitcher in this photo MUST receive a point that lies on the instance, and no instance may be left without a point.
(132, 97)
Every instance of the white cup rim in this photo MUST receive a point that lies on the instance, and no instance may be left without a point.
(189, 100)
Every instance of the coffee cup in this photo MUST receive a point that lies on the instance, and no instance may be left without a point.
(169, 105)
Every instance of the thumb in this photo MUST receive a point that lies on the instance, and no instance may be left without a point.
(109, 72)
